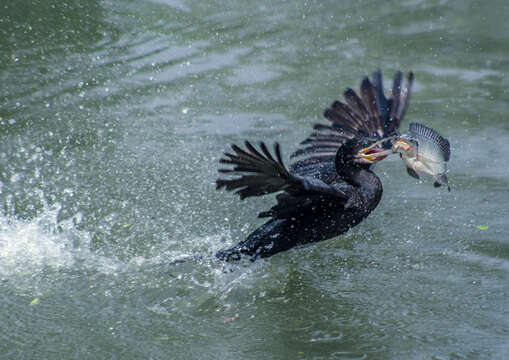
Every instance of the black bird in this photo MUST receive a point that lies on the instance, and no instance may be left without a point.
(332, 188)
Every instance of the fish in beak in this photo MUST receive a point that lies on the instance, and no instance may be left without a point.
(423, 150)
(374, 153)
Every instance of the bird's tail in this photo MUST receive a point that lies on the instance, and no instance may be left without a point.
(233, 254)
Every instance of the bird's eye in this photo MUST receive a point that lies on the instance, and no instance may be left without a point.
(366, 144)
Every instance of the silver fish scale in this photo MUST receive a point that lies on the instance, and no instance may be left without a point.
(432, 145)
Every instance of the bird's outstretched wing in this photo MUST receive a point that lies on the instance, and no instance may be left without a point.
(369, 115)
(258, 172)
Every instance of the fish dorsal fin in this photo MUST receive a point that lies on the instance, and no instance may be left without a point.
(421, 132)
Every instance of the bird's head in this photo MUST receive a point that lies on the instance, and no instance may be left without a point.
(361, 152)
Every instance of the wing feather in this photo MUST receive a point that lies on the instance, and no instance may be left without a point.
(370, 114)
(257, 171)
(369, 97)
(260, 172)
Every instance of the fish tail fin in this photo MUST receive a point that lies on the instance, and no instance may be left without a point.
(442, 180)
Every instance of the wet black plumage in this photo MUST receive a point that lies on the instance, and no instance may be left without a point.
(332, 187)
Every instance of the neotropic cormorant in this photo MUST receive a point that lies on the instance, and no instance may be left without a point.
(330, 190)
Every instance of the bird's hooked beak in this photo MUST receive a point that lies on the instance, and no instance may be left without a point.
(374, 153)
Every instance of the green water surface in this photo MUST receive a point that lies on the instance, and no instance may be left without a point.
(113, 117)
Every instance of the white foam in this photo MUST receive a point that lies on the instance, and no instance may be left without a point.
(31, 246)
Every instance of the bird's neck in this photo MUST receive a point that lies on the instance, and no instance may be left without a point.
(352, 175)
(365, 179)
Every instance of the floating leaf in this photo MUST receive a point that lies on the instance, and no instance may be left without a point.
(36, 300)
(482, 227)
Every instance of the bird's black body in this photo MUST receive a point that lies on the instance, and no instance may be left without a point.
(330, 190)
(327, 219)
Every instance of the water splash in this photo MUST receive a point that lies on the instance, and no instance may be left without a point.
(31, 247)
(34, 249)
